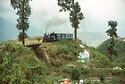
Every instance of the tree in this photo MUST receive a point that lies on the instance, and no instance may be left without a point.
(74, 11)
(112, 33)
(23, 11)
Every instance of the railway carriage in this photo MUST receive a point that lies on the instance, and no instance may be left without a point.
(53, 37)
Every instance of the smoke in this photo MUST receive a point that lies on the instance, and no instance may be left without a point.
(54, 22)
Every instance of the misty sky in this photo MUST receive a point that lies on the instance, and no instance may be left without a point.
(46, 17)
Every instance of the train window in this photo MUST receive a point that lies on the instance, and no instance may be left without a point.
(58, 35)
(59, 38)
(53, 36)
(63, 36)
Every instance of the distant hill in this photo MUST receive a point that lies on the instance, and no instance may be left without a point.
(119, 47)
(92, 38)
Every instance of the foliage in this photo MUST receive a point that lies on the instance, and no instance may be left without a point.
(75, 72)
(112, 33)
(74, 12)
(119, 48)
(23, 11)
(100, 62)
(19, 65)
(97, 59)
(21, 36)
(63, 50)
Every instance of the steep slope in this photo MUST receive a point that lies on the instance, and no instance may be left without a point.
(66, 52)
(20, 65)
(119, 47)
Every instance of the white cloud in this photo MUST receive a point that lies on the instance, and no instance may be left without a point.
(96, 12)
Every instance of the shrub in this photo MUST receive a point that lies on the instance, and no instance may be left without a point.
(19, 65)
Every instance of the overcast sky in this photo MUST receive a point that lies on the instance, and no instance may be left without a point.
(46, 17)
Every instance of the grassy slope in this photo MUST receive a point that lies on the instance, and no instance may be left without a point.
(19, 65)
(33, 69)
(119, 47)
(65, 52)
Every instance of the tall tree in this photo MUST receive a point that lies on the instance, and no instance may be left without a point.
(23, 11)
(112, 33)
(75, 13)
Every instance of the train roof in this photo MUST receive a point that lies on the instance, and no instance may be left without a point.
(62, 33)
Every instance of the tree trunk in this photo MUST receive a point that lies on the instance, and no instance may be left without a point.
(111, 48)
(23, 40)
(75, 33)
(110, 57)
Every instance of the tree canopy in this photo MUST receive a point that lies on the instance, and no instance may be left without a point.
(74, 11)
(112, 33)
(23, 11)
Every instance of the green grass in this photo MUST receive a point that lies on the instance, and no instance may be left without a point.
(119, 47)
(19, 64)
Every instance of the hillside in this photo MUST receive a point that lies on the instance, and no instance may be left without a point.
(66, 51)
(23, 65)
(19, 65)
(119, 47)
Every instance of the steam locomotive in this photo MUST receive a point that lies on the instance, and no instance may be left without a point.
(53, 37)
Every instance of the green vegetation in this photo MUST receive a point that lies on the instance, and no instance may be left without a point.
(23, 11)
(19, 64)
(119, 48)
(112, 33)
(50, 62)
(75, 14)
(63, 50)
(66, 52)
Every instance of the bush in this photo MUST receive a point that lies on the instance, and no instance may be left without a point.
(19, 65)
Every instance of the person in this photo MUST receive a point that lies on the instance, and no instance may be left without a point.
(65, 81)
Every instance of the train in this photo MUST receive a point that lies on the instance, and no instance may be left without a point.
(53, 37)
